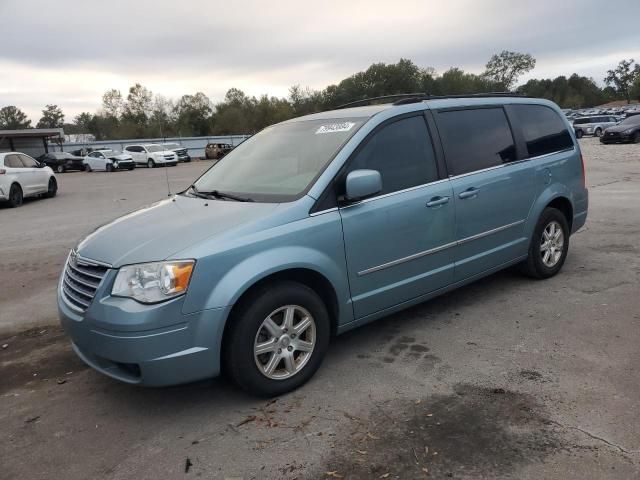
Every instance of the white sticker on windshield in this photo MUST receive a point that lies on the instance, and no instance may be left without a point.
(335, 127)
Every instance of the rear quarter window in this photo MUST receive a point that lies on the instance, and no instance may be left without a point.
(543, 130)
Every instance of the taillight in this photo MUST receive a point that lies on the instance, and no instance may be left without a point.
(2, 171)
(584, 175)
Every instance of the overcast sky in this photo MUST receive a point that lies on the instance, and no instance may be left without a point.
(70, 52)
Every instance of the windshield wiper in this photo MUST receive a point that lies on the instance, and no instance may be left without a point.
(219, 194)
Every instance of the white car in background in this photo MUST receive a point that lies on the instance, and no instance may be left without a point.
(152, 155)
(21, 176)
(108, 160)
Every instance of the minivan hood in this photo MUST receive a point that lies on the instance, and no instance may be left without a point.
(159, 230)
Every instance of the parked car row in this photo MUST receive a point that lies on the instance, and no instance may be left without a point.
(609, 128)
(149, 155)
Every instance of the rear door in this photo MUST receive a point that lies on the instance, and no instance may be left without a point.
(493, 189)
(398, 244)
(39, 176)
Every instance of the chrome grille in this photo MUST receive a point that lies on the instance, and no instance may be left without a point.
(81, 280)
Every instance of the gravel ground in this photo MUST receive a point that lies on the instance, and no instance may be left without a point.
(504, 378)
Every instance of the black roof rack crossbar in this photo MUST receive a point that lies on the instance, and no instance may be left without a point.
(406, 98)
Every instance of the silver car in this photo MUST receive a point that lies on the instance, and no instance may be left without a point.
(594, 125)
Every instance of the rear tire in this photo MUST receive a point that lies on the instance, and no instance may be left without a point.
(549, 245)
(294, 357)
(61, 169)
(52, 188)
(15, 196)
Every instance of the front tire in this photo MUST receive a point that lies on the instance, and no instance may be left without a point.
(87, 168)
(109, 167)
(151, 164)
(52, 188)
(598, 132)
(549, 245)
(636, 137)
(277, 339)
(579, 133)
(15, 196)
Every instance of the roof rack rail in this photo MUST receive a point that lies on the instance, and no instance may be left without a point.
(407, 98)
(368, 101)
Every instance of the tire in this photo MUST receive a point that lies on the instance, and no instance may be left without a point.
(52, 188)
(151, 164)
(15, 196)
(247, 329)
(87, 168)
(636, 137)
(545, 263)
(131, 168)
(61, 169)
(579, 133)
(598, 132)
(109, 167)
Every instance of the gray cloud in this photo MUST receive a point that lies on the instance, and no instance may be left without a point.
(280, 43)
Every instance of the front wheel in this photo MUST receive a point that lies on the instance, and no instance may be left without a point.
(598, 132)
(151, 164)
(636, 137)
(579, 133)
(277, 339)
(87, 168)
(52, 188)
(549, 245)
(109, 167)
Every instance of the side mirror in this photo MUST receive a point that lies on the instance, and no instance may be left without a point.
(362, 184)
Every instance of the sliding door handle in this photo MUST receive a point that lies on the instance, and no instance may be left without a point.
(469, 193)
(437, 201)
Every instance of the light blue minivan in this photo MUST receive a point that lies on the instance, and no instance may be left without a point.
(318, 225)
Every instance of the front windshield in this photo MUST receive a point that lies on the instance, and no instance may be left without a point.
(279, 163)
(154, 148)
(633, 120)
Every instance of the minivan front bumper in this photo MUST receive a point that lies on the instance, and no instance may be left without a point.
(125, 341)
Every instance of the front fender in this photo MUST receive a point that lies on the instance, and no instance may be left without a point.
(245, 274)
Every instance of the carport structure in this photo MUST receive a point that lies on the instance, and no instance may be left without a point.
(32, 141)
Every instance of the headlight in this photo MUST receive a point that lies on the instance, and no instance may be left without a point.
(628, 131)
(115, 164)
(153, 282)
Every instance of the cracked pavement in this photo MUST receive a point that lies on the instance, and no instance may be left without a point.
(507, 378)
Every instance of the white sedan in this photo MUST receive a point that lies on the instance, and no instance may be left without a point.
(21, 176)
(108, 160)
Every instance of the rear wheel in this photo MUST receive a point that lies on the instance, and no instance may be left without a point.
(549, 245)
(151, 164)
(277, 339)
(15, 196)
(61, 169)
(52, 188)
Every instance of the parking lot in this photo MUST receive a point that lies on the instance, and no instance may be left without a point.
(505, 378)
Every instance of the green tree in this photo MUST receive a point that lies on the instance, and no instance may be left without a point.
(12, 118)
(193, 113)
(82, 121)
(623, 77)
(52, 117)
(139, 104)
(506, 67)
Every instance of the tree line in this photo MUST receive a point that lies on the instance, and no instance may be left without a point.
(141, 113)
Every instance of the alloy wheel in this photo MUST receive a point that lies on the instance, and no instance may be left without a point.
(552, 244)
(284, 342)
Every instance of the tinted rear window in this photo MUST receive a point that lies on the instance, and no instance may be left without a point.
(543, 130)
(475, 139)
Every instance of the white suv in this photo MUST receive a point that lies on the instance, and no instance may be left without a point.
(151, 155)
(22, 176)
